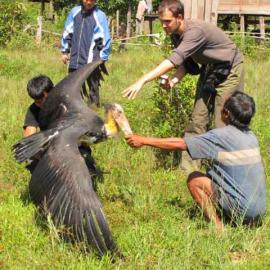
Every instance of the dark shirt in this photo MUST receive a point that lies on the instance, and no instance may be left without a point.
(31, 117)
(32, 120)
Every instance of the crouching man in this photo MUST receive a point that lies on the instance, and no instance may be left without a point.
(38, 89)
(234, 188)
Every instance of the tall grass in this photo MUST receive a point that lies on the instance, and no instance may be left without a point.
(150, 211)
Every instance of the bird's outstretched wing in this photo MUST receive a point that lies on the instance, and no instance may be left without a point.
(62, 185)
(65, 101)
(94, 81)
(61, 182)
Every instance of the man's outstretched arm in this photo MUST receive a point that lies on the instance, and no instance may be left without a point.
(161, 69)
(138, 141)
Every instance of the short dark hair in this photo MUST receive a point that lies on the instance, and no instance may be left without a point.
(174, 6)
(38, 85)
(241, 108)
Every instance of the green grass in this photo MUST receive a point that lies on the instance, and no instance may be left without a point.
(151, 214)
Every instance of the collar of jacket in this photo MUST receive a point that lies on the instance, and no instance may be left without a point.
(88, 11)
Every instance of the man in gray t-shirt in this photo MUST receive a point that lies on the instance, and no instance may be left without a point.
(234, 187)
(237, 172)
(200, 48)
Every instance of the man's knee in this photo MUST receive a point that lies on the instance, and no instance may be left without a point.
(192, 180)
(199, 181)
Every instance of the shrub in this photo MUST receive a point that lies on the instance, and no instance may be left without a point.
(173, 110)
(172, 114)
(12, 17)
(63, 5)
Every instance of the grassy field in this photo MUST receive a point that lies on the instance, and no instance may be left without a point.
(151, 214)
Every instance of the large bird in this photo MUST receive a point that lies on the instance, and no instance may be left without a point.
(61, 183)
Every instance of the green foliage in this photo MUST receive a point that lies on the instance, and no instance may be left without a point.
(111, 6)
(108, 6)
(173, 110)
(150, 212)
(61, 6)
(174, 107)
(247, 45)
(12, 17)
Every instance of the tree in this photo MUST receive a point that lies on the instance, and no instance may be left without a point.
(12, 18)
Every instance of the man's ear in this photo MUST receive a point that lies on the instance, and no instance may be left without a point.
(180, 17)
(225, 116)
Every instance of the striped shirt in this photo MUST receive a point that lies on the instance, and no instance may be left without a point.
(237, 172)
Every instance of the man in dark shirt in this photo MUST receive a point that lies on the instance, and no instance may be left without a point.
(38, 89)
(200, 48)
(234, 187)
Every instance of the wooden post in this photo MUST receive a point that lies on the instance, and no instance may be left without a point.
(39, 30)
(242, 29)
(42, 8)
(187, 4)
(112, 28)
(129, 20)
(214, 13)
(194, 9)
(200, 11)
(207, 10)
(117, 23)
(262, 27)
(51, 11)
(146, 25)
(242, 25)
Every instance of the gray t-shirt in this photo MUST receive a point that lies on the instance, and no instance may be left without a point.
(237, 173)
(205, 43)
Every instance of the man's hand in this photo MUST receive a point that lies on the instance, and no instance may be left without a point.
(65, 57)
(134, 140)
(132, 91)
(167, 83)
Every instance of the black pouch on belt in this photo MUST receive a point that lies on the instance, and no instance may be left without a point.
(215, 75)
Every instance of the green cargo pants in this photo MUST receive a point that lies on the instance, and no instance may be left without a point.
(207, 104)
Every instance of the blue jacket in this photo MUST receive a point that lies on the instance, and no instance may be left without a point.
(86, 36)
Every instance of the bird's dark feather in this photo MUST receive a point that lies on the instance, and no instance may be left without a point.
(61, 182)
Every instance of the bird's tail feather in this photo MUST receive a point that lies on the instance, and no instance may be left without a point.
(30, 146)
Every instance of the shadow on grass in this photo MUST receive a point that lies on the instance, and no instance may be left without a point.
(192, 211)
(25, 197)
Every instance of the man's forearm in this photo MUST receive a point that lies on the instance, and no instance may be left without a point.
(29, 130)
(161, 69)
(165, 143)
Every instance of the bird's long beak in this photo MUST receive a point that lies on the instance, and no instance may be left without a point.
(112, 129)
(116, 120)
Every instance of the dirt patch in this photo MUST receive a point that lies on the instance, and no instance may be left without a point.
(6, 186)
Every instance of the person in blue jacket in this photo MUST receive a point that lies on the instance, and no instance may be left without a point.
(86, 38)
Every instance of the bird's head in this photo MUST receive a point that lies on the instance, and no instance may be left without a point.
(115, 120)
